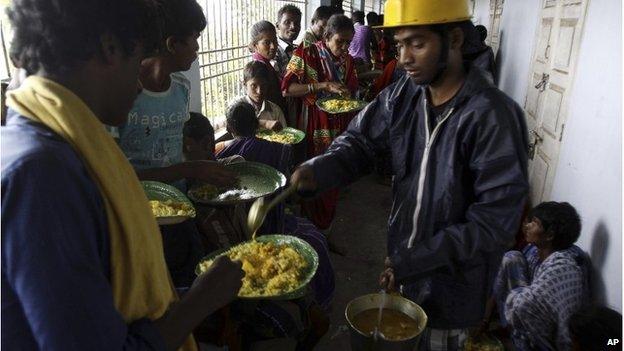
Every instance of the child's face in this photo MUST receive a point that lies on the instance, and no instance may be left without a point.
(184, 51)
(199, 150)
(534, 231)
(255, 90)
(266, 45)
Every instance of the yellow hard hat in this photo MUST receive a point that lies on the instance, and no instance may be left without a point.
(399, 13)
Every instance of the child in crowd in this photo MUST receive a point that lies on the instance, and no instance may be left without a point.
(538, 289)
(257, 80)
(242, 124)
(199, 140)
(152, 138)
(263, 47)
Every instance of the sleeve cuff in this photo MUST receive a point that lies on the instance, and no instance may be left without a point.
(147, 332)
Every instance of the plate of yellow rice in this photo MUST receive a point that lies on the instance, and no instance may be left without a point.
(277, 267)
(168, 204)
(334, 105)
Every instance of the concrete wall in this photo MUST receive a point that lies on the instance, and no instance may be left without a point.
(193, 75)
(589, 172)
(481, 13)
(589, 169)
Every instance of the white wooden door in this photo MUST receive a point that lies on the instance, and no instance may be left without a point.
(552, 73)
(496, 12)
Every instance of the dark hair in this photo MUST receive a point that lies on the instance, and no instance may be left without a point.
(257, 29)
(241, 119)
(559, 219)
(181, 18)
(60, 35)
(337, 24)
(197, 127)
(444, 29)
(292, 9)
(592, 326)
(322, 13)
(357, 16)
(258, 70)
(372, 18)
(482, 31)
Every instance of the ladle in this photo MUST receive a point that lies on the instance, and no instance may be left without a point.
(258, 211)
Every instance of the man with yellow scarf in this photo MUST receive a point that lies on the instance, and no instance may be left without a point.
(82, 259)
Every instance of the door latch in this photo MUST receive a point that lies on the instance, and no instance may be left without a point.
(533, 145)
(541, 86)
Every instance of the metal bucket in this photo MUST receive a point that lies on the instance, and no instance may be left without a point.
(363, 342)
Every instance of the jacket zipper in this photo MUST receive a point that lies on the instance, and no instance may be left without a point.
(429, 140)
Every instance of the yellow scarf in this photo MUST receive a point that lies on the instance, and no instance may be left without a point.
(139, 278)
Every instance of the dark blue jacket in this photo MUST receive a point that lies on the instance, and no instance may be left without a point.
(459, 189)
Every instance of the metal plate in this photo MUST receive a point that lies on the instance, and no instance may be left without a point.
(161, 191)
(296, 133)
(259, 179)
(483, 342)
(361, 104)
(302, 247)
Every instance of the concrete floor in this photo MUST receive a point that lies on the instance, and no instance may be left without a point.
(360, 226)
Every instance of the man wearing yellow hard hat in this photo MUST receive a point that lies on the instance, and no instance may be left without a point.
(459, 163)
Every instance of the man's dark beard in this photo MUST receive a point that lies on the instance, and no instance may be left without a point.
(441, 65)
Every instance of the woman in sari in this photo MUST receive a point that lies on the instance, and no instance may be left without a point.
(313, 72)
(263, 47)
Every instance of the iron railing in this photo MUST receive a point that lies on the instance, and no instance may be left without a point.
(224, 49)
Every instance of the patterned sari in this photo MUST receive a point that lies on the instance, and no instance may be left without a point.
(315, 64)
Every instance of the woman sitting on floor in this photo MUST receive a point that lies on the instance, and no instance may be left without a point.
(538, 289)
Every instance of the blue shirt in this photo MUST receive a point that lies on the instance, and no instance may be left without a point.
(152, 136)
(56, 293)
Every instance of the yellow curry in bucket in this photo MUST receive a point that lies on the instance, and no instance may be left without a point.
(395, 325)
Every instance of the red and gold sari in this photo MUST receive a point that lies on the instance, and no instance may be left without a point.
(316, 64)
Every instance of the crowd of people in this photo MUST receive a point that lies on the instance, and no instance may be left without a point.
(105, 105)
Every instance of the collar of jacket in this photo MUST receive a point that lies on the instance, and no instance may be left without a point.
(476, 81)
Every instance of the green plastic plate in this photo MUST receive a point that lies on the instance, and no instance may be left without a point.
(302, 247)
(361, 104)
(483, 342)
(298, 134)
(161, 191)
(257, 179)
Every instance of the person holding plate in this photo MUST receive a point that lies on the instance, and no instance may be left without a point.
(313, 72)
(459, 165)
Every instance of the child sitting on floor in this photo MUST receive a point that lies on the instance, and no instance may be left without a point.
(538, 289)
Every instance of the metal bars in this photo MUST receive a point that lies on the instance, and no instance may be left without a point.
(223, 50)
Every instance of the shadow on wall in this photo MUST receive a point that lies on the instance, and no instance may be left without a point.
(498, 62)
(598, 253)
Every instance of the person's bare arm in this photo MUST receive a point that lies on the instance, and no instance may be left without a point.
(211, 291)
